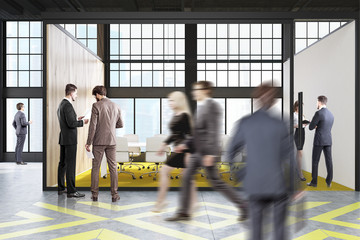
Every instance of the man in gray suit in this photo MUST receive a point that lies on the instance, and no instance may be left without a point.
(205, 148)
(322, 121)
(20, 124)
(105, 118)
(268, 146)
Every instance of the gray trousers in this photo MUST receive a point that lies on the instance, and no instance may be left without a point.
(19, 147)
(215, 181)
(257, 207)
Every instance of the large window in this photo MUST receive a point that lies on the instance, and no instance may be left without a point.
(33, 111)
(307, 33)
(147, 55)
(85, 33)
(239, 55)
(24, 54)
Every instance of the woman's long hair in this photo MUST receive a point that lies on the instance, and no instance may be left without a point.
(181, 103)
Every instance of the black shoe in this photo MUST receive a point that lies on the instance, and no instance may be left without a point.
(75, 195)
(60, 192)
(328, 185)
(244, 214)
(94, 198)
(310, 184)
(179, 217)
(303, 179)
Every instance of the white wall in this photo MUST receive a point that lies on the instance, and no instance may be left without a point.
(328, 68)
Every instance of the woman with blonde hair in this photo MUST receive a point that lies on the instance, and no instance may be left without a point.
(180, 127)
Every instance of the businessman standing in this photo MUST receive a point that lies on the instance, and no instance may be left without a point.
(68, 142)
(105, 118)
(322, 121)
(20, 124)
(205, 148)
(268, 146)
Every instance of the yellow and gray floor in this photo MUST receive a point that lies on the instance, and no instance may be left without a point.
(29, 213)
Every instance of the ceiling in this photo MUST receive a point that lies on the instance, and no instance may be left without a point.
(32, 9)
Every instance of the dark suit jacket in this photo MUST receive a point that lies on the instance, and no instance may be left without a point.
(105, 118)
(206, 137)
(68, 123)
(324, 121)
(268, 146)
(20, 123)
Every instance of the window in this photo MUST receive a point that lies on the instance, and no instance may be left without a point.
(24, 54)
(85, 33)
(34, 138)
(147, 55)
(307, 33)
(239, 55)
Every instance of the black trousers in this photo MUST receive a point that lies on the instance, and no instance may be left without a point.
(67, 165)
(19, 147)
(257, 208)
(315, 163)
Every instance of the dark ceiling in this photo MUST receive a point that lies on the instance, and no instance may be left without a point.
(32, 9)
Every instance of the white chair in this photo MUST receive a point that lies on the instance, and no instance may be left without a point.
(133, 151)
(122, 154)
(152, 146)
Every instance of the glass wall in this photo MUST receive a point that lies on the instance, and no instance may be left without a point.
(85, 33)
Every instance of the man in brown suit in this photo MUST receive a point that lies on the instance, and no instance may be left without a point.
(105, 118)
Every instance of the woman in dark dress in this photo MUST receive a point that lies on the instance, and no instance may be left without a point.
(180, 127)
(299, 145)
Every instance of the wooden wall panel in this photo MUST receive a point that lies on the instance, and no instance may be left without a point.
(68, 62)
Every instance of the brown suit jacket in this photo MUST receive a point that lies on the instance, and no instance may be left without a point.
(105, 118)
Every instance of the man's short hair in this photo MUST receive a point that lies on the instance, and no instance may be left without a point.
(69, 89)
(19, 106)
(322, 99)
(266, 94)
(205, 85)
(101, 90)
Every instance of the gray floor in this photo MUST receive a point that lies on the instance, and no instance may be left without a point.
(215, 218)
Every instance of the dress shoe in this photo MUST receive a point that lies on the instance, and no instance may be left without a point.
(60, 192)
(328, 185)
(179, 217)
(94, 198)
(310, 184)
(21, 163)
(75, 195)
(244, 214)
(303, 179)
(115, 198)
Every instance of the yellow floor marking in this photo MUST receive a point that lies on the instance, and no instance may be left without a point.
(89, 218)
(68, 211)
(31, 218)
(341, 235)
(328, 217)
(314, 235)
(306, 206)
(159, 229)
(102, 234)
(117, 207)
(239, 236)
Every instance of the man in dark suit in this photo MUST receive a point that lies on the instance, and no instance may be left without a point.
(268, 146)
(20, 124)
(68, 142)
(322, 121)
(206, 148)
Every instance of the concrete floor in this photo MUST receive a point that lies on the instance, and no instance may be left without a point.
(29, 213)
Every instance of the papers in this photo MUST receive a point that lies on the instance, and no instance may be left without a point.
(87, 114)
(89, 154)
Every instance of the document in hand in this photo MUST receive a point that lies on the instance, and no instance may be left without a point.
(87, 114)
(89, 154)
